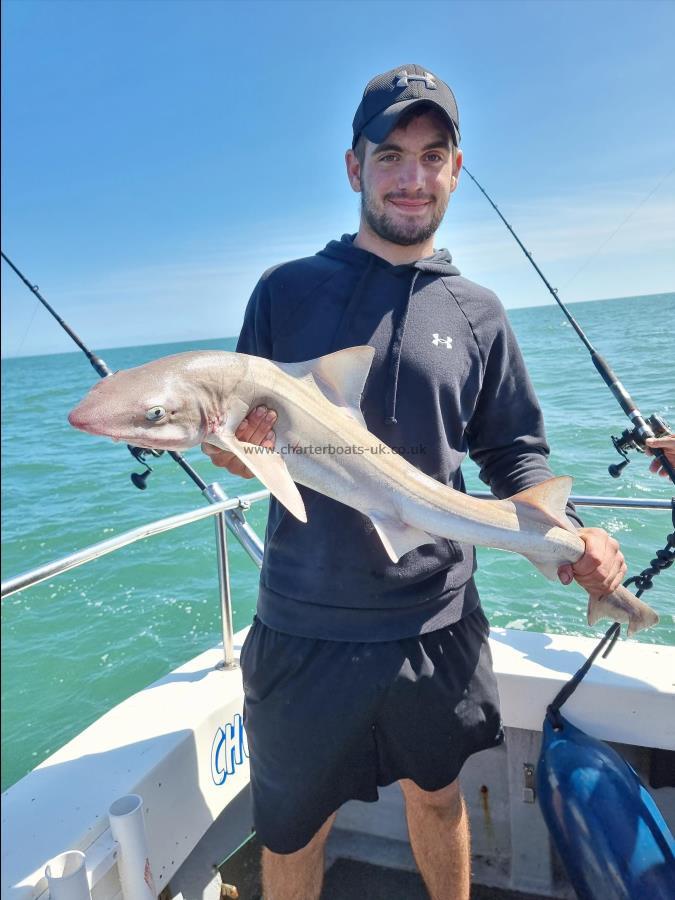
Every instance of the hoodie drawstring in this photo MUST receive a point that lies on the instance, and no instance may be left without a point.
(394, 365)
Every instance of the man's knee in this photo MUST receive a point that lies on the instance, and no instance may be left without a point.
(446, 802)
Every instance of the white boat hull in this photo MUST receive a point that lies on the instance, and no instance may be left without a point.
(179, 744)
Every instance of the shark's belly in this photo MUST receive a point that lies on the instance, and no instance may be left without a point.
(489, 523)
(350, 467)
(338, 467)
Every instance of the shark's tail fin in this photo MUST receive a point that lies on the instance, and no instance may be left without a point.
(622, 606)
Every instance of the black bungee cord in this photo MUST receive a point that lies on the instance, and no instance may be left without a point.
(140, 454)
(632, 439)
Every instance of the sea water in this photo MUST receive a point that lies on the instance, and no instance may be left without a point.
(77, 645)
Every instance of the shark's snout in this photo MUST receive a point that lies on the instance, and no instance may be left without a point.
(78, 419)
(84, 418)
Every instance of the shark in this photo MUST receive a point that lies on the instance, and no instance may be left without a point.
(323, 443)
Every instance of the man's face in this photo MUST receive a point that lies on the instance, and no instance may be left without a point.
(407, 180)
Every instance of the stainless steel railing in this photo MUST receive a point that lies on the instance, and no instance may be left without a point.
(229, 515)
(247, 537)
(607, 502)
(56, 567)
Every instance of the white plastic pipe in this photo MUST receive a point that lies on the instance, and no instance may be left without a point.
(128, 829)
(67, 876)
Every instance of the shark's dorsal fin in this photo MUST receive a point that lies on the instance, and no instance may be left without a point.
(548, 500)
(266, 464)
(340, 376)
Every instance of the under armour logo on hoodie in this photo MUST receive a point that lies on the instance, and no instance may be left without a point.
(439, 340)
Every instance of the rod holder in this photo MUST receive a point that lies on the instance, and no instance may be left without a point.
(127, 824)
(66, 876)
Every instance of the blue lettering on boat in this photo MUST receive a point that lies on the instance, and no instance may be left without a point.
(228, 750)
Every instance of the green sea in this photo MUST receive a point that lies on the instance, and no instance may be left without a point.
(75, 646)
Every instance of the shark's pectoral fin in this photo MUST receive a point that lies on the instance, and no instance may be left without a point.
(268, 466)
(397, 537)
(547, 501)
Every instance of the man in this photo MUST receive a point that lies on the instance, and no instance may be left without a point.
(359, 672)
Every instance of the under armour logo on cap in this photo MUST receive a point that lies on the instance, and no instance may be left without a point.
(427, 78)
(388, 95)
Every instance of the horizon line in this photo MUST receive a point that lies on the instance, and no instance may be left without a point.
(234, 336)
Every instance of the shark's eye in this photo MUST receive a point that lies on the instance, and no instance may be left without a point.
(155, 413)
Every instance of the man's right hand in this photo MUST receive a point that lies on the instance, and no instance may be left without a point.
(256, 428)
(667, 444)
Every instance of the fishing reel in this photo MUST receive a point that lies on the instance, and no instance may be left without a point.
(633, 439)
(139, 479)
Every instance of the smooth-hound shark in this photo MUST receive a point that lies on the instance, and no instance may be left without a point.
(323, 443)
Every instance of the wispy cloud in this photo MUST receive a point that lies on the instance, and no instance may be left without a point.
(579, 238)
(572, 238)
(572, 228)
(557, 229)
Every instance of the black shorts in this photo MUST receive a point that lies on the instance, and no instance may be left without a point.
(329, 721)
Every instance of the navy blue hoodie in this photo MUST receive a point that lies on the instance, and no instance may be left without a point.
(447, 378)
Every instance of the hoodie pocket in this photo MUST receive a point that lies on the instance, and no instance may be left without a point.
(456, 552)
(461, 565)
(272, 536)
(284, 518)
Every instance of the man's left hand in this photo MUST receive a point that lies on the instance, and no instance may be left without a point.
(602, 567)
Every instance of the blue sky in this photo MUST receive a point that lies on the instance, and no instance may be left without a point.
(158, 156)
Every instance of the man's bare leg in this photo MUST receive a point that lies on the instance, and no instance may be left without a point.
(299, 875)
(438, 826)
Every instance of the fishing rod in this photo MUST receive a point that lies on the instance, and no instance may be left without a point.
(139, 479)
(634, 438)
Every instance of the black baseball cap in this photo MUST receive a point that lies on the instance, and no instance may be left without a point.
(387, 96)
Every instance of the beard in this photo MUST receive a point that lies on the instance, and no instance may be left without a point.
(406, 234)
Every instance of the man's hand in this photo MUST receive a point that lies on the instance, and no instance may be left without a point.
(602, 567)
(256, 428)
(667, 444)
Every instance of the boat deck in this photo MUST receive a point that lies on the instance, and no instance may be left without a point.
(347, 879)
